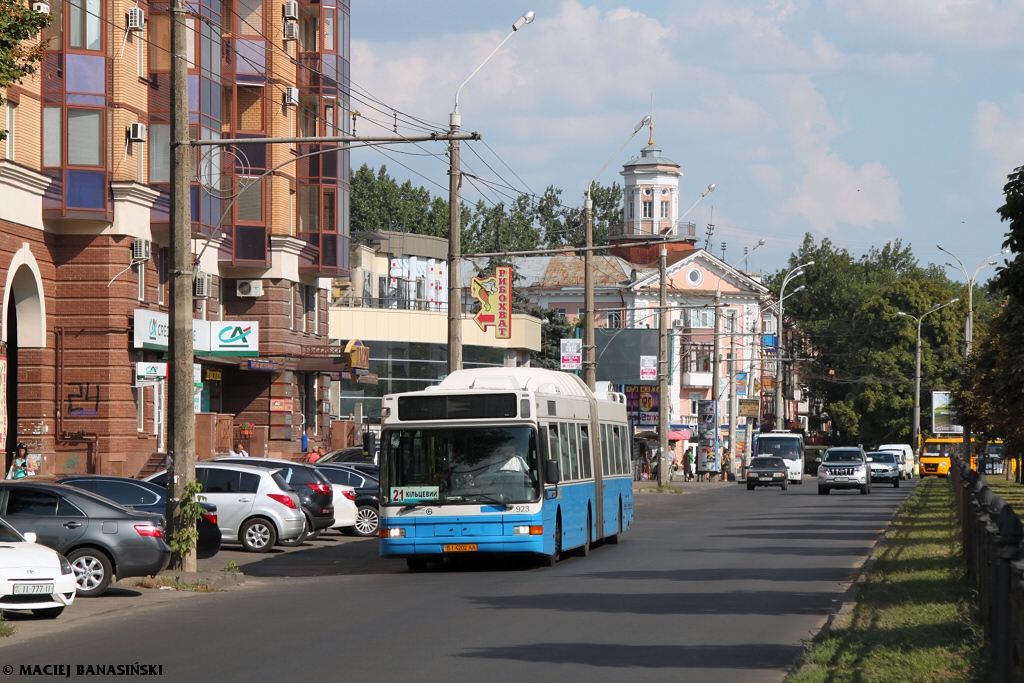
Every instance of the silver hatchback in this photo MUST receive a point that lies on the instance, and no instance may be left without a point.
(255, 506)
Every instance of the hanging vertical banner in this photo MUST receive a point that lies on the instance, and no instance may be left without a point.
(3, 403)
(495, 296)
(707, 436)
(572, 354)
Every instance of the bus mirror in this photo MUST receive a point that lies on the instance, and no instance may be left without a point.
(551, 472)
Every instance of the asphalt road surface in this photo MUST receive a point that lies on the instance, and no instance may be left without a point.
(717, 584)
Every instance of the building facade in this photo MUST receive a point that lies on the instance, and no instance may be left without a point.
(84, 234)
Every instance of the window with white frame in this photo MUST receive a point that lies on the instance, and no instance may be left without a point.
(648, 209)
(695, 396)
(139, 394)
(665, 206)
(631, 209)
(702, 317)
(161, 273)
(141, 270)
(291, 307)
(12, 109)
(614, 319)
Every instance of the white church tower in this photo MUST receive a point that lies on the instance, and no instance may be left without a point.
(651, 193)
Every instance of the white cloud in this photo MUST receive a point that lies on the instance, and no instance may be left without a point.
(998, 133)
(973, 24)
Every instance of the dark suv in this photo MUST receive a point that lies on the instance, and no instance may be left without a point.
(367, 496)
(316, 495)
(99, 537)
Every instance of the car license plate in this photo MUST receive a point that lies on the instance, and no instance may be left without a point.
(842, 478)
(460, 548)
(33, 588)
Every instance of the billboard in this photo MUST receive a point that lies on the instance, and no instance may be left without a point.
(707, 436)
(943, 417)
(642, 403)
(572, 354)
(618, 353)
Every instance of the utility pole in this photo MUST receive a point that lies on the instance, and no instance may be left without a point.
(663, 398)
(589, 350)
(454, 248)
(715, 370)
(733, 406)
(182, 451)
(917, 391)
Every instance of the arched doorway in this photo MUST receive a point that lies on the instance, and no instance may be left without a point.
(24, 326)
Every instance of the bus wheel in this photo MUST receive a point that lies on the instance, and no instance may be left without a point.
(614, 538)
(585, 550)
(550, 560)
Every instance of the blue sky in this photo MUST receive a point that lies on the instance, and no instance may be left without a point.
(860, 122)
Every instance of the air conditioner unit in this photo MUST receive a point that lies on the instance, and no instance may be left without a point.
(136, 19)
(41, 7)
(291, 96)
(141, 250)
(291, 9)
(291, 30)
(249, 288)
(202, 285)
(137, 132)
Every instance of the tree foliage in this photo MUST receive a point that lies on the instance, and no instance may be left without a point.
(20, 49)
(859, 359)
(554, 328)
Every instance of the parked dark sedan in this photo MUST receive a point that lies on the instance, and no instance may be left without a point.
(367, 496)
(316, 495)
(146, 496)
(354, 457)
(100, 538)
(767, 471)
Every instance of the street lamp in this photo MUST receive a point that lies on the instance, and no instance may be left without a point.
(455, 217)
(917, 369)
(780, 411)
(589, 363)
(969, 324)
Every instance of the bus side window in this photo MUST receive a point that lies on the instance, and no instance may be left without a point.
(574, 449)
(627, 452)
(616, 442)
(566, 471)
(604, 451)
(585, 452)
(553, 441)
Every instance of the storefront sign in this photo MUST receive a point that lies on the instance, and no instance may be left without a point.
(741, 384)
(358, 355)
(748, 407)
(572, 354)
(209, 338)
(281, 405)
(197, 375)
(213, 375)
(367, 379)
(260, 364)
(495, 296)
(648, 368)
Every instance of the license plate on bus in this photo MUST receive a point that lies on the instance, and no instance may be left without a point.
(33, 588)
(460, 548)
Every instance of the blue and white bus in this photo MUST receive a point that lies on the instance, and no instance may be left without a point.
(503, 460)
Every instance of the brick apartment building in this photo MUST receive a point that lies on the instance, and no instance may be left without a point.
(84, 183)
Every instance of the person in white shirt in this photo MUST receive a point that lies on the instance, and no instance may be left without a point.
(239, 452)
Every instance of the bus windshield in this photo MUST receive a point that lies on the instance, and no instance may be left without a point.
(787, 448)
(462, 464)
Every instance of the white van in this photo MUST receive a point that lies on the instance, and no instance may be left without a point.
(785, 445)
(906, 457)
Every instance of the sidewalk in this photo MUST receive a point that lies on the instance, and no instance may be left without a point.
(681, 486)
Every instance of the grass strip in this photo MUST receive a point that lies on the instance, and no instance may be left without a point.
(6, 630)
(915, 617)
(1010, 491)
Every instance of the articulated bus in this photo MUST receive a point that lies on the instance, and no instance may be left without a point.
(503, 460)
(935, 456)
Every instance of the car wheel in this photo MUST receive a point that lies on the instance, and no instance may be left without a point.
(785, 484)
(896, 484)
(48, 613)
(552, 559)
(865, 490)
(312, 536)
(258, 535)
(750, 487)
(303, 537)
(823, 490)
(367, 521)
(93, 571)
(415, 564)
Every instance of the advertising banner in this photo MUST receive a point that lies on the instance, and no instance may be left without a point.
(3, 404)
(209, 338)
(572, 354)
(642, 403)
(648, 368)
(741, 384)
(943, 416)
(749, 407)
(707, 436)
(495, 296)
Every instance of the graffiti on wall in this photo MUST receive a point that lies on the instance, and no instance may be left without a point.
(83, 399)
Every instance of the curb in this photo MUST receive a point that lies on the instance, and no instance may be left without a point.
(221, 580)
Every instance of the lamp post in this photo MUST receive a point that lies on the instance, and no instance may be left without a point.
(455, 217)
(589, 363)
(969, 322)
(917, 370)
(780, 409)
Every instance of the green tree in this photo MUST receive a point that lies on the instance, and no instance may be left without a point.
(554, 328)
(564, 225)
(20, 51)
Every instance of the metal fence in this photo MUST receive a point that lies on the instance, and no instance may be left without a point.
(991, 534)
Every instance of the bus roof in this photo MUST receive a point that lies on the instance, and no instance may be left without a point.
(538, 380)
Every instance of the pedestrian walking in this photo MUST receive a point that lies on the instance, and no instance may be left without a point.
(315, 455)
(21, 467)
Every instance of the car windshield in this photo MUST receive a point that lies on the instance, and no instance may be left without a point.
(456, 465)
(787, 448)
(842, 455)
(882, 457)
(767, 463)
(8, 534)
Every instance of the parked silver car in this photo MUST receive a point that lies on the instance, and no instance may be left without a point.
(255, 506)
(844, 468)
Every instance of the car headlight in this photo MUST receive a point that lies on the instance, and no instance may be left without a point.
(65, 566)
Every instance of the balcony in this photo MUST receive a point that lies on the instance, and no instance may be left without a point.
(697, 379)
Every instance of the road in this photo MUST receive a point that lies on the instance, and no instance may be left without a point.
(716, 584)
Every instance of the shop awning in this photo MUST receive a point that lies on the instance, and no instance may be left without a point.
(313, 364)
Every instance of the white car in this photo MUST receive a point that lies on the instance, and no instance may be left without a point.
(344, 506)
(32, 576)
(906, 456)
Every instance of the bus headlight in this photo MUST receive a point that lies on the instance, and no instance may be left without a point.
(393, 532)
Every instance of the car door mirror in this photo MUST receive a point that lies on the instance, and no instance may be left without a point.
(30, 536)
(551, 474)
